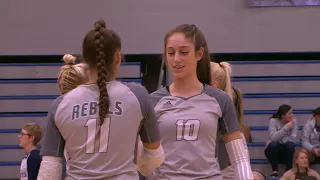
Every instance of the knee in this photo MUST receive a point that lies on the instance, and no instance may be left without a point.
(290, 145)
(271, 148)
(273, 145)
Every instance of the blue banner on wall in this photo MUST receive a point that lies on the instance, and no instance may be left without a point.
(272, 3)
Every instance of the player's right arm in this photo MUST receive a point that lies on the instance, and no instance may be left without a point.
(235, 143)
(52, 148)
(150, 153)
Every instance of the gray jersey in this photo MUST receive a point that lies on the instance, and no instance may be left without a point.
(188, 130)
(106, 152)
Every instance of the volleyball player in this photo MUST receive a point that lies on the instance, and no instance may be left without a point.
(221, 78)
(190, 112)
(71, 76)
(98, 122)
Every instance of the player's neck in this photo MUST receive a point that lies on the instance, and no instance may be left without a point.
(93, 77)
(29, 148)
(186, 87)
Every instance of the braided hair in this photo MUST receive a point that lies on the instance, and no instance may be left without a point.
(99, 47)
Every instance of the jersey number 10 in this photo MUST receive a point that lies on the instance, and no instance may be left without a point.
(187, 129)
(92, 134)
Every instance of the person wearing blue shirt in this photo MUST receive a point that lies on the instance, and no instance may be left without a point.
(29, 137)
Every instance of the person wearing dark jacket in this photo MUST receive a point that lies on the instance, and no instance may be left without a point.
(29, 137)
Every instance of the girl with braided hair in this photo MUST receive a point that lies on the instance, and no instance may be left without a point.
(98, 122)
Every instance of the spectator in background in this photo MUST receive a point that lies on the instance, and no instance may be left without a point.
(300, 168)
(221, 79)
(29, 137)
(283, 129)
(310, 138)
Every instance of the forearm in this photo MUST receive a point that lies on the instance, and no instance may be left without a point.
(278, 135)
(239, 159)
(50, 168)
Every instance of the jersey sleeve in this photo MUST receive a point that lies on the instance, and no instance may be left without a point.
(149, 131)
(229, 120)
(53, 143)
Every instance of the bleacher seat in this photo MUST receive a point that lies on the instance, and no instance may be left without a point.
(26, 93)
(268, 84)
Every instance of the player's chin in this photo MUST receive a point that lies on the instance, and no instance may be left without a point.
(178, 76)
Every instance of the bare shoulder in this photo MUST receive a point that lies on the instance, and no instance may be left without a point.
(314, 173)
(287, 175)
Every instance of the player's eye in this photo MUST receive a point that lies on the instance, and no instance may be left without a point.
(184, 52)
(171, 53)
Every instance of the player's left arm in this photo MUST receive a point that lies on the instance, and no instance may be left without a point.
(235, 144)
(51, 166)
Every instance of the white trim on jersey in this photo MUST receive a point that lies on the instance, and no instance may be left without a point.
(149, 159)
(239, 158)
(51, 168)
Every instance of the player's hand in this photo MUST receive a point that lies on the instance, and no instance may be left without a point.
(316, 151)
(140, 147)
(290, 124)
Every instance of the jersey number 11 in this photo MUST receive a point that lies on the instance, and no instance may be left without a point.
(92, 132)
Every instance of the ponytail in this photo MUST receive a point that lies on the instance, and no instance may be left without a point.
(237, 99)
(282, 110)
(275, 116)
(221, 73)
(227, 71)
(99, 48)
(103, 73)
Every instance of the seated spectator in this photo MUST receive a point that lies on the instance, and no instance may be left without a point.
(283, 129)
(310, 138)
(300, 168)
(29, 137)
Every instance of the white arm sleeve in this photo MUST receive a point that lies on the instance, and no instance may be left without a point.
(239, 158)
(50, 168)
(149, 159)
